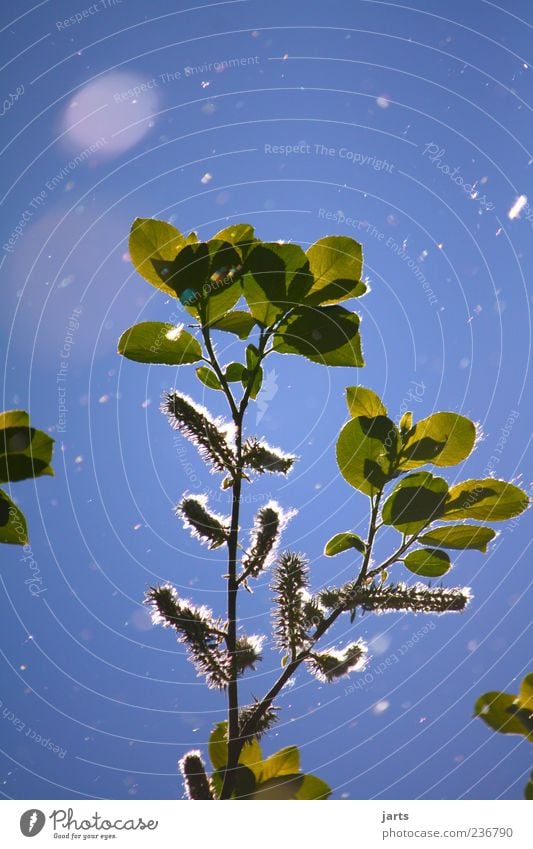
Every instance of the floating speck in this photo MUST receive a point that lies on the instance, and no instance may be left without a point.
(517, 207)
(383, 101)
(206, 178)
(381, 707)
(379, 644)
(78, 459)
(137, 526)
(66, 281)
(103, 399)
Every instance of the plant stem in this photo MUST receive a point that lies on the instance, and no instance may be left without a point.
(234, 741)
(394, 557)
(231, 640)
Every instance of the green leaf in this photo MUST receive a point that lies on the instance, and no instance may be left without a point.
(208, 378)
(275, 278)
(414, 502)
(282, 787)
(156, 342)
(443, 439)
(485, 500)
(525, 696)
(366, 449)
(253, 370)
(325, 335)
(528, 789)
(13, 528)
(459, 536)
(234, 372)
(313, 788)
(240, 235)
(406, 423)
(204, 277)
(364, 402)
(154, 240)
(499, 711)
(428, 562)
(245, 783)
(344, 542)
(238, 321)
(284, 762)
(336, 263)
(251, 755)
(218, 745)
(14, 418)
(25, 452)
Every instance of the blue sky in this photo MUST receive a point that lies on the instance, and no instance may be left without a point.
(405, 127)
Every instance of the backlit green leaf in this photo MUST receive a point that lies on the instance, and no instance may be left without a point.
(204, 277)
(282, 787)
(442, 439)
(499, 711)
(414, 502)
(364, 402)
(313, 788)
(336, 263)
(459, 536)
(253, 371)
(238, 321)
(406, 423)
(284, 762)
(25, 452)
(240, 235)
(366, 449)
(325, 335)
(14, 418)
(13, 528)
(525, 696)
(218, 745)
(485, 500)
(428, 562)
(344, 542)
(251, 754)
(275, 278)
(157, 342)
(208, 377)
(154, 240)
(245, 783)
(234, 372)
